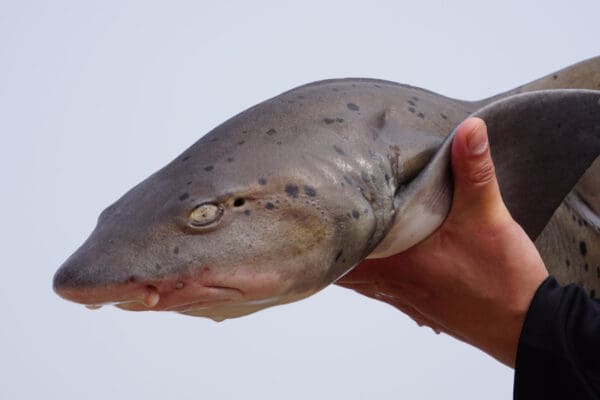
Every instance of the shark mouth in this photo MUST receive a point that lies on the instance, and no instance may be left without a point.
(166, 295)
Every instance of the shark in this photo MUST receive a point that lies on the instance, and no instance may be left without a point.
(283, 199)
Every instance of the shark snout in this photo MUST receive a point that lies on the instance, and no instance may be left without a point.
(74, 282)
(94, 286)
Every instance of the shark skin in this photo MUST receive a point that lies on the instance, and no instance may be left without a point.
(286, 197)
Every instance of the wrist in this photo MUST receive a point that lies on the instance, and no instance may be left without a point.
(499, 334)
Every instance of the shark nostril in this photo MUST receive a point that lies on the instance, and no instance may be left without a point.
(152, 297)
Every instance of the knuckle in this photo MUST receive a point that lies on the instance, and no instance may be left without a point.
(484, 173)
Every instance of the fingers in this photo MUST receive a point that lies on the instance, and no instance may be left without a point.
(476, 190)
(401, 304)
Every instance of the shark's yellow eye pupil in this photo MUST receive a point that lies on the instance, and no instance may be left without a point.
(205, 214)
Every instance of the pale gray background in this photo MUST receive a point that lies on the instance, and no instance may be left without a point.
(96, 95)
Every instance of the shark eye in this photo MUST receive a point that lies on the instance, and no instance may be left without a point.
(205, 214)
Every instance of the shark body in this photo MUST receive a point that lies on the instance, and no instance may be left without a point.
(283, 199)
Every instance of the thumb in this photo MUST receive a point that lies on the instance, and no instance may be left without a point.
(476, 190)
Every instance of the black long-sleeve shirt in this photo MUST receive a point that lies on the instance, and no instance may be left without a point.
(558, 356)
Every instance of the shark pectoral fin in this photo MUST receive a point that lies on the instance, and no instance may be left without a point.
(542, 143)
(421, 206)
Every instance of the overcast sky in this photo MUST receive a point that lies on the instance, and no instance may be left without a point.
(96, 95)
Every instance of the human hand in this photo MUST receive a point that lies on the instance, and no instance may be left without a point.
(474, 277)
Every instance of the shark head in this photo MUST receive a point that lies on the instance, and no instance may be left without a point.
(248, 217)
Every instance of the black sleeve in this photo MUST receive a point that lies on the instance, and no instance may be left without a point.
(558, 356)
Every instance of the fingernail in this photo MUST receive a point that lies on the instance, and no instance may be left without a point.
(477, 142)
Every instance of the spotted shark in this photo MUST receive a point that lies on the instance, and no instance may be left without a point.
(286, 197)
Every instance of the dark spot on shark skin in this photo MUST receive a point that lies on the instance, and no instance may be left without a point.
(292, 190)
(247, 212)
(555, 76)
(132, 279)
(381, 120)
(411, 109)
(387, 178)
(186, 158)
(568, 263)
(339, 151)
(377, 86)
(597, 272)
(244, 132)
(415, 98)
(310, 191)
(365, 176)
(340, 120)
(229, 159)
(241, 142)
(352, 107)
(579, 222)
(214, 139)
(586, 267)
(184, 196)
(176, 250)
(582, 248)
(188, 183)
(270, 206)
(355, 214)
(421, 115)
(271, 132)
(593, 294)
(335, 89)
(559, 125)
(262, 181)
(158, 266)
(444, 116)
(573, 217)
(412, 103)
(348, 180)
(209, 168)
(328, 121)
(300, 97)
